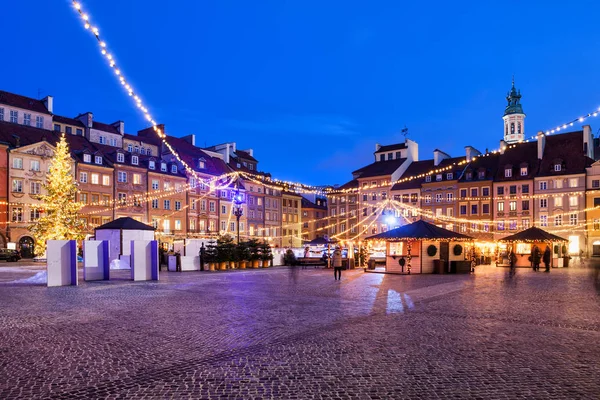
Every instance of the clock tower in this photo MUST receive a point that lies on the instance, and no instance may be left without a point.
(514, 118)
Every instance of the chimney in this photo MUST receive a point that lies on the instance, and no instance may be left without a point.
(17, 140)
(86, 119)
(471, 152)
(438, 156)
(588, 141)
(234, 147)
(541, 144)
(149, 132)
(250, 151)
(502, 146)
(191, 139)
(377, 147)
(226, 159)
(119, 126)
(49, 103)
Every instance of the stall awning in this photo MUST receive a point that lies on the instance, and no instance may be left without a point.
(420, 230)
(533, 234)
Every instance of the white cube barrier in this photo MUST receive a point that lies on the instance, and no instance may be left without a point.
(61, 262)
(144, 260)
(190, 263)
(96, 265)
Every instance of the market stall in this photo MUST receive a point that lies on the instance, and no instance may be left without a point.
(525, 243)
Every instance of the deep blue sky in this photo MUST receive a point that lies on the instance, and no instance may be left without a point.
(312, 85)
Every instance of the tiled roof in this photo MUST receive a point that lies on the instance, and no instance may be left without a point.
(19, 101)
(145, 139)
(349, 185)
(24, 135)
(447, 162)
(391, 147)
(66, 120)
(488, 163)
(191, 154)
(246, 155)
(522, 154)
(414, 169)
(309, 204)
(566, 149)
(379, 168)
(104, 127)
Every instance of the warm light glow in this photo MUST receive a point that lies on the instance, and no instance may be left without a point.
(573, 244)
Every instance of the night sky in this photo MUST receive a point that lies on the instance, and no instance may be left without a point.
(312, 85)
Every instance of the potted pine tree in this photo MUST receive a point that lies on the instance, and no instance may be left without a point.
(242, 254)
(210, 254)
(253, 252)
(224, 251)
(266, 255)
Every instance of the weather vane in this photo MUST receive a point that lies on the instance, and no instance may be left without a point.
(405, 131)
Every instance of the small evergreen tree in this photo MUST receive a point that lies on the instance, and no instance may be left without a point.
(60, 220)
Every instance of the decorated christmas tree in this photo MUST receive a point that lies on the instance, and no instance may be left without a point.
(60, 219)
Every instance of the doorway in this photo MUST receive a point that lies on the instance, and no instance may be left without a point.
(27, 247)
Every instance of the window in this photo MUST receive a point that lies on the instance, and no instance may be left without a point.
(449, 176)
(543, 185)
(17, 185)
(543, 203)
(512, 224)
(83, 177)
(427, 198)
(573, 219)
(438, 177)
(525, 205)
(428, 178)
(524, 171)
(120, 157)
(573, 201)
(485, 208)
(177, 205)
(525, 223)
(35, 187)
(463, 227)
(525, 189)
(39, 122)
(558, 220)
(155, 184)
(79, 132)
(106, 200)
(365, 211)
(500, 190)
(596, 225)
(167, 204)
(14, 116)
(374, 196)
(130, 148)
(463, 209)
(136, 149)
(438, 197)
(485, 192)
(96, 199)
(543, 220)
(469, 176)
(449, 197)
(122, 198)
(211, 207)
(35, 165)
(34, 214)
(122, 176)
(558, 202)
(112, 141)
(137, 179)
(558, 184)
(557, 167)
(163, 167)
(56, 127)
(573, 182)
(481, 175)
(151, 164)
(177, 225)
(474, 192)
(223, 210)
(27, 119)
(508, 173)
(17, 214)
(474, 209)
(596, 183)
(167, 225)
(68, 130)
(463, 193)
(102, 139)
(87, 158)
(501, 206)
(95, 179)
(98, 159)
(512, 206)
(174, 169)
(17, 163)
(155, 204)
(1, 114)
(501, 225)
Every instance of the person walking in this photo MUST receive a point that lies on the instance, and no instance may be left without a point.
(546, 258)
(337, 264)
(513, 260)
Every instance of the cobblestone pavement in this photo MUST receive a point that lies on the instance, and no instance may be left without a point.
(259, 334)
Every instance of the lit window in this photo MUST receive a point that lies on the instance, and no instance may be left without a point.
(137, 179)
(501, 206)
(573, 182)
(120, 157)
(524, 171)
(163, 167)
(151, 164)
(87, 158)
(558, 184)
(106, 180)
(17, 185)
(177, 225)
(573, 201)
(508, 173)
(512, 206)
(95, 179)
(438, 177)
(557, 167)
(558, 202)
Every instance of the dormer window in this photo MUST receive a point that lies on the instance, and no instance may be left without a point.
(239, 165)
(149, 152)
(120, 157)
(245, 164)
(129, 148)
(557, 167)
(201, 164)
(481, 174)
(98, 160)
(438, 177)
(163, 167)
(87, 158)
(135, 160)
(250, 167)
(136, 149)
(428, 178)
(449, 176)
(151, 164)
(524, 171)
(508, 173)
(142, 150)
(469, 176)
(174, 168)
(102, 139)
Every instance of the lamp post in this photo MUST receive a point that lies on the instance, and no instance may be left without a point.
(238, 211)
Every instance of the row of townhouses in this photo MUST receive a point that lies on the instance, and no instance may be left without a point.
(552, 182)
(121, 174)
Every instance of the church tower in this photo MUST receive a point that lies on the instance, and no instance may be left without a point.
(514, 118)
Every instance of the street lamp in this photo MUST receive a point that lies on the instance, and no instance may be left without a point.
(238, 211)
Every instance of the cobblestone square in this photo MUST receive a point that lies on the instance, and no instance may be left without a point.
(283, 334)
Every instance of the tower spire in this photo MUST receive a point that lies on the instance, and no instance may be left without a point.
(514, 117)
